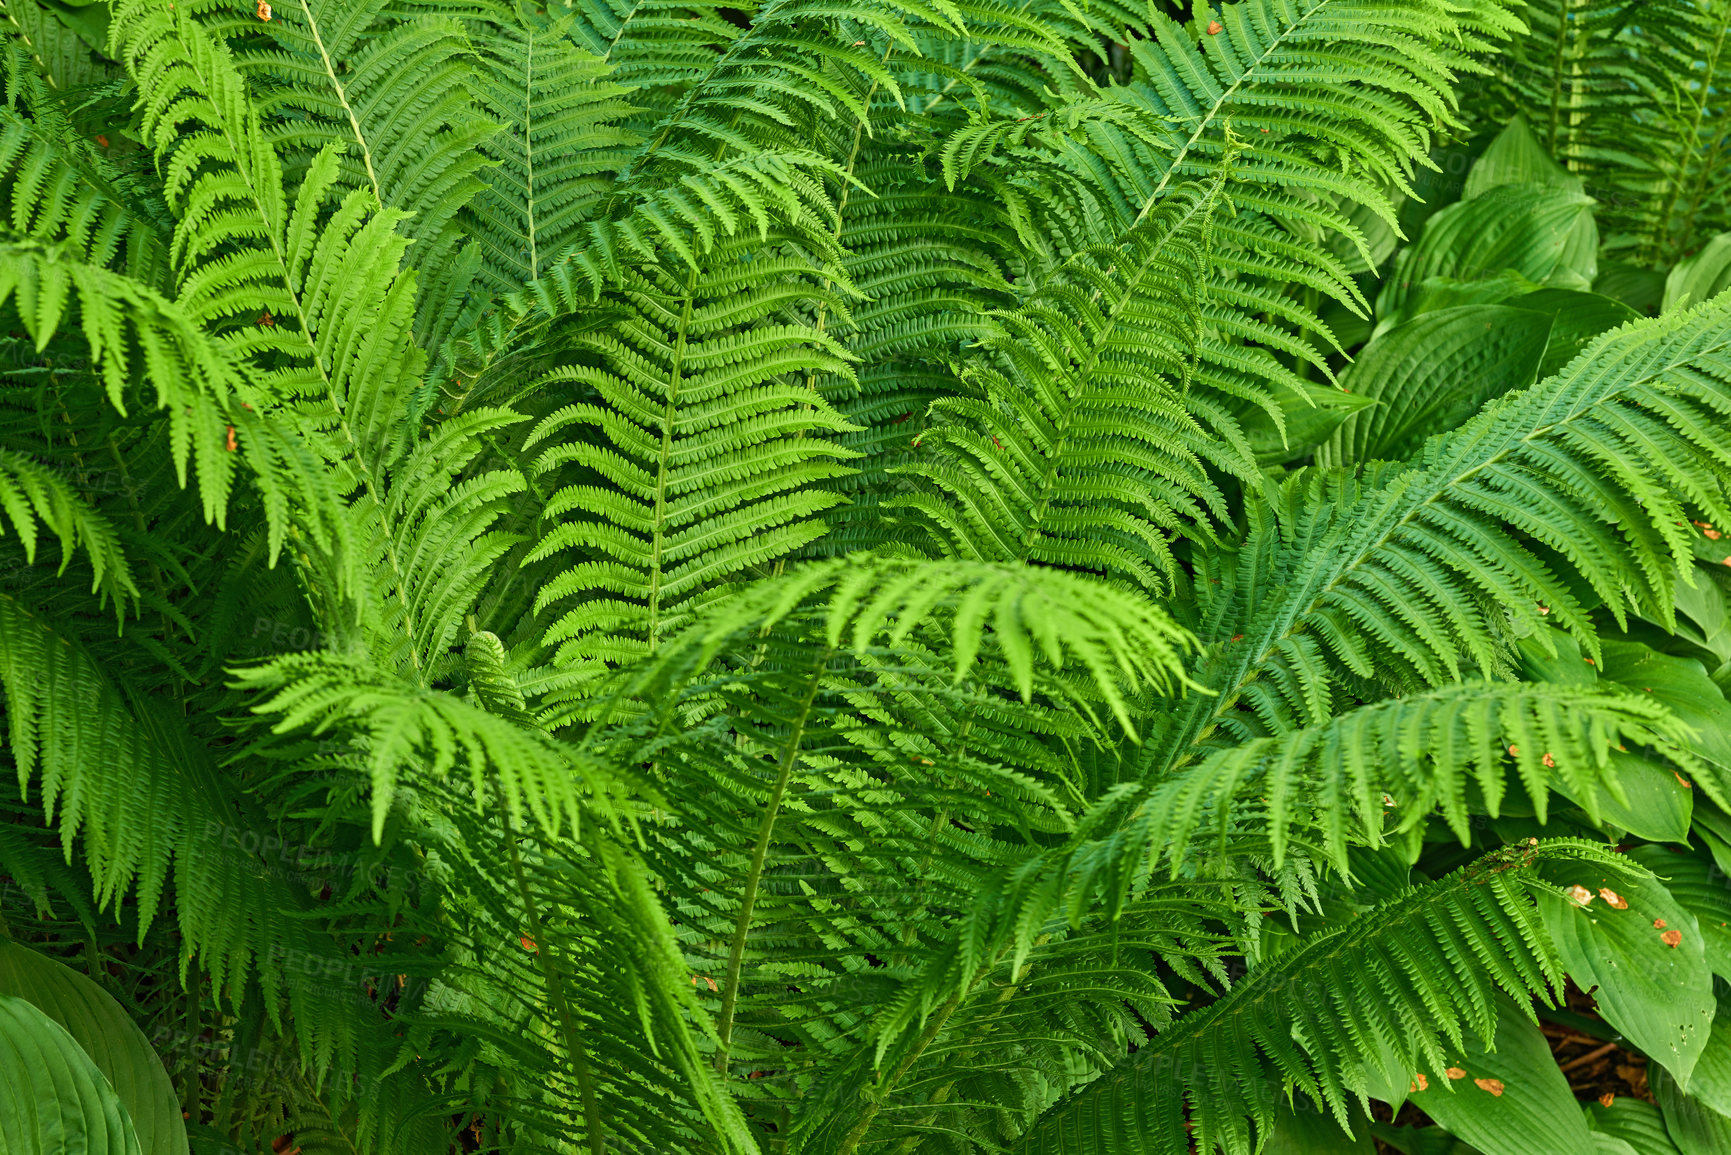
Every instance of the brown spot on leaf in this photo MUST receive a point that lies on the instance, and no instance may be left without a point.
(1672, 938)
(1494, 1086)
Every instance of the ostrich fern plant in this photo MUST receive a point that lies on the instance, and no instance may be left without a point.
(881, 577)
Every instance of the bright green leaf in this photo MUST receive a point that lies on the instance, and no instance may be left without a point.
(1510, 1101)
(1642, 951)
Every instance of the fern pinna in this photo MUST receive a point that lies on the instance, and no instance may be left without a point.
(870, 577)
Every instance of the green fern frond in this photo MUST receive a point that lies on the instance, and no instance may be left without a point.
(400, 725)
(1381, 769)
(809, 730)
(1411, 580)
(705, 452)
(588, 922)
(139, 796)
(560, 145)
(394, 87)
(1313, 155)
(195, 109)
(1073, 447)
(1632, 98)
(133, 332)
(657, 46)
(1031, 616)
(43, 48)
(31, 494)
(1378, 998)
(58, 189)
(431, 523)
(1682, 133)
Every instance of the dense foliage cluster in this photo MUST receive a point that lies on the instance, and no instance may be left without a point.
(1049, 577)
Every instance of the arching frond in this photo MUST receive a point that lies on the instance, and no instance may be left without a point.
(1386, 768)
(393, 87)
(35, 498)
(402, 725)
(1423, 573)
(132, 333)
(1381, 998)
(1032, 615)
(141, 798)
(1248, 79)
(59, 189)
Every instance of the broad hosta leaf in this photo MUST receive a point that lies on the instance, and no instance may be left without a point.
(110, 1037)
(1710, 1085)
(1635, 1123)
(1704, 275)
(1700, 889)
(1511, 1100)
(1310, 419)
(1303, 1130)
(1641, 289)
(53, 1100)
(1432, 373)
(1702, 616)
(1684, 687)
(1656, 803)
(1577, 318)
(1694, 1127)
(1543, 232)
(1463, 344)
(1643, 953)
(1604, 1144)
(1422, 1140)
(1515, 157)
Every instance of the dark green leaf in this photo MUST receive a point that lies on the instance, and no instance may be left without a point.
(107, 1033)
(53, 1100)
